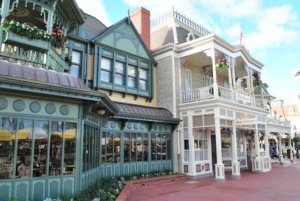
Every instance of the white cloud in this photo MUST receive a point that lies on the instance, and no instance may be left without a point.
(274, 28)
(95, 8)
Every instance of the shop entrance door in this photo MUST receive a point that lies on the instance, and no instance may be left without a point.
(213, 152)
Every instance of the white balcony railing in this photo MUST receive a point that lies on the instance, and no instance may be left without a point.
(238, 95)
(196, 95)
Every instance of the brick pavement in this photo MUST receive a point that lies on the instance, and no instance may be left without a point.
(281, 184)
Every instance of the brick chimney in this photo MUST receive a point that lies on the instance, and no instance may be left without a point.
(141, 20)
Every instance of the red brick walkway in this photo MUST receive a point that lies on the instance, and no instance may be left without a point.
(281, 184)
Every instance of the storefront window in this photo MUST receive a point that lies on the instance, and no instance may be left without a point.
(200, 145)
(24, 138)
(126, 147)
(8, 128)
(111, 147)
(40, 136)
(160, 146)
(56, 147)
(70, 147)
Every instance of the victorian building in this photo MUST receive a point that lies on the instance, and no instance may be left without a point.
(77, 101)
(216, 89)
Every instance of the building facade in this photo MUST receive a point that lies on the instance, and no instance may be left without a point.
(77, 101)
(215, 88)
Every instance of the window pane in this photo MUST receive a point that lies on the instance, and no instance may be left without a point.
(119, 67)
(56, 147)
(116, 147)
(105, 76)
(70, 147)
(76, 57)
(105, 64)
(74, 70)
(153, 147)
(142, 85)
(143, 74)
(133, 147)
(40, 135)
(109, 150)
(126, 147)
(139, 146)
(8, 129)
(131, 82)
(24, 148)
(131, 71)
(103, 146)
(164, 146)
(145, 148)
(118, 79)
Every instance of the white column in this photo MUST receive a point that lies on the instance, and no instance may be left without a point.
(257, 160)
(219, 167)
(235, 163)
(192, 166)
(267, 151)
(280, 149)
(215, 84)
(291, 148)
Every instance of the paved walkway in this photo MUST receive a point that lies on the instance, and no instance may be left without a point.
(281, 184)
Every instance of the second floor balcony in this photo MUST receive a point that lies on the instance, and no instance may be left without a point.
(237, 95)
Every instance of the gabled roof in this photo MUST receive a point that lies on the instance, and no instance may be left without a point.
(138, 112)
(127, 22)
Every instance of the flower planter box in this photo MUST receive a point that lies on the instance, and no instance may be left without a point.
(14, 39)
(146, 182)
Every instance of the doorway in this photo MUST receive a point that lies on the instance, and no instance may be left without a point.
(213, 152)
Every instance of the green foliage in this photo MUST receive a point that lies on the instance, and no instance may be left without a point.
(296, 139)
(25, 30)
(12, 199)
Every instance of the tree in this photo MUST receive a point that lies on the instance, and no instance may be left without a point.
(296, 140)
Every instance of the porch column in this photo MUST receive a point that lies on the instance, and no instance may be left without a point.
(192, 168)
(280, 149)
(257, 160)
(291, 148)
(219, 167)
(267, 150)
(235, 163)
(215, 84)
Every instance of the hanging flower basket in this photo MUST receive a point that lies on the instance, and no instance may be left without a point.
(222, 66)
(58, 37)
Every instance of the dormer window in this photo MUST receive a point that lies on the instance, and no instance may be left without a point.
(190, 37)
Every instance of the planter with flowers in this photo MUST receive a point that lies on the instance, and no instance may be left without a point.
(17, 33)
(58, 37)
(222, 66)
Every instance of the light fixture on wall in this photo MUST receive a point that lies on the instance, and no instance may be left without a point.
(101, 112)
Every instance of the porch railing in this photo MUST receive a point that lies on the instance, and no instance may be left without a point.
(238, 95)
(34, 58)
(196, 94)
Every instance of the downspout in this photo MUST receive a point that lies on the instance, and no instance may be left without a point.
(87, 66)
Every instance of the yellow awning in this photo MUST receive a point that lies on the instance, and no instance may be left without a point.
(5, 136)
(68, 134)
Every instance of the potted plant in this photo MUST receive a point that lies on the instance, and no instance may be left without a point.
(222, 65)
(58, 37)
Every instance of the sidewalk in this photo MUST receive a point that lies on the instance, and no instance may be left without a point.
(281, 184)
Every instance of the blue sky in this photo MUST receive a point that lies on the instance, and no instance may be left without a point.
(271, 30)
